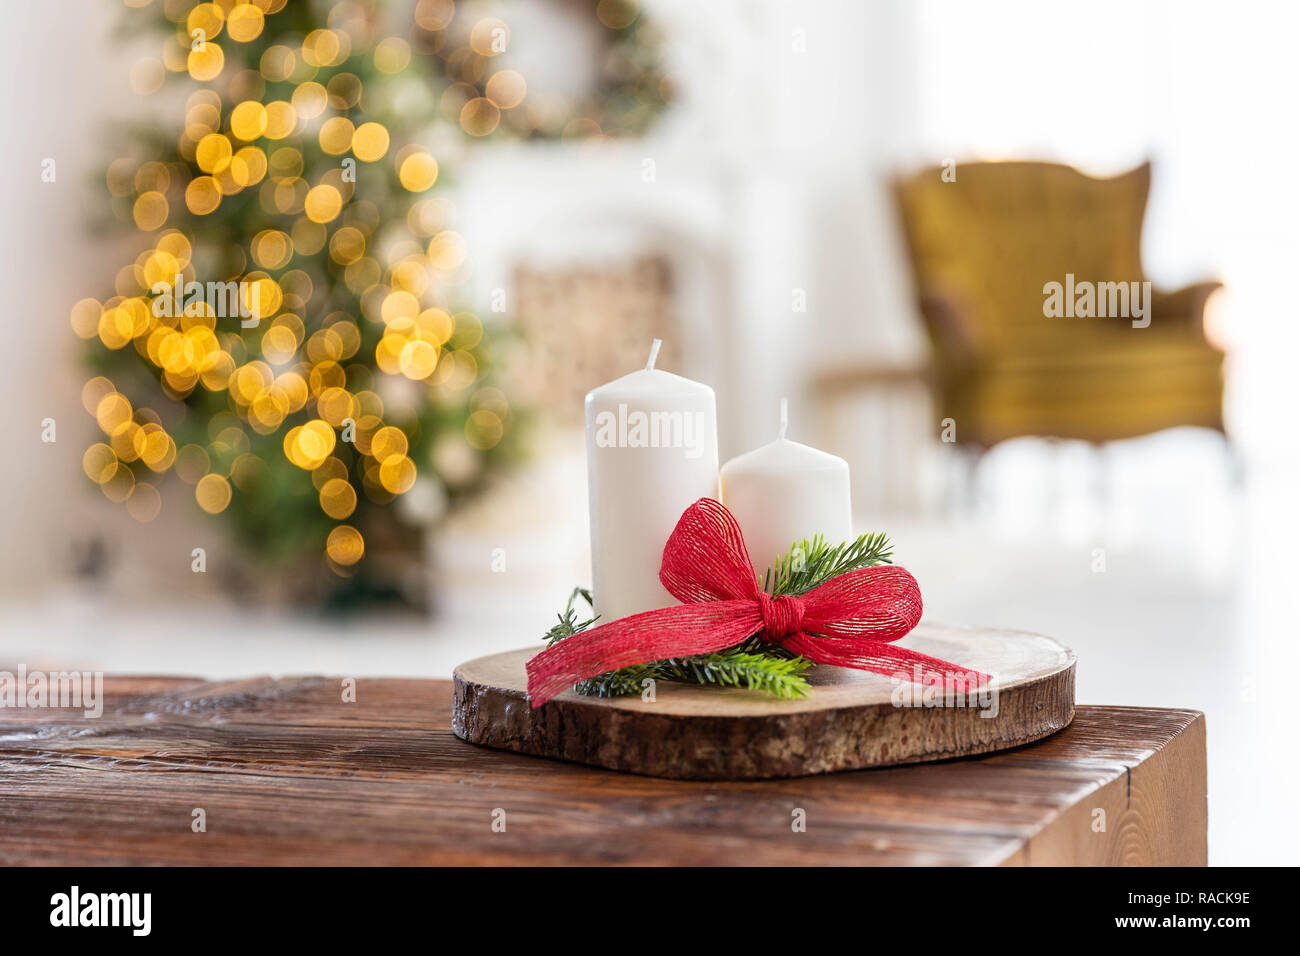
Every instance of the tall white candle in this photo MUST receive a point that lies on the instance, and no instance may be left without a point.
(784, 492)
(652, 451)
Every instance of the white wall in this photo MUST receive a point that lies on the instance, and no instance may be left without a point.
(769, 178)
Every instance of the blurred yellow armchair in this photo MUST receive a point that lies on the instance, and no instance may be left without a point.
(984, 247)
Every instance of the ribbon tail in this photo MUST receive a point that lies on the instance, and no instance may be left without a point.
(881, 657)
(679, 631)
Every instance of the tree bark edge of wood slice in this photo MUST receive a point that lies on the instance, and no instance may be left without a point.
(851, 720)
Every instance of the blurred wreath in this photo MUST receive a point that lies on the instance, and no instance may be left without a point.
(470, 49)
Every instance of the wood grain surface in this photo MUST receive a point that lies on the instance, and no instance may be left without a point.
(851, 719)
(287, 773)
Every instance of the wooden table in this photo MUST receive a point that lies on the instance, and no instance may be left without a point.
(286, 772)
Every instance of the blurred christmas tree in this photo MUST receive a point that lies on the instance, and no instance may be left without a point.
(289, 343)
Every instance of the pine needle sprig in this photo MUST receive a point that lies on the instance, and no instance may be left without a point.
(779, 676)
(812, 562)
(621, 683)
(568, 621)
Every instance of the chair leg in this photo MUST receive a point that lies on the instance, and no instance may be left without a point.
(1235, 462)
(961, 497)
(972, 456)
(1102, 485)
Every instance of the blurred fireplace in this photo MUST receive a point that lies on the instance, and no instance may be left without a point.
(586, 323)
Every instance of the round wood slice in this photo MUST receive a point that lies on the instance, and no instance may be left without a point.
(850, 720)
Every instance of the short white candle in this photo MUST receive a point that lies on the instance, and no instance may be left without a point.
(784, 492)
(652, 451)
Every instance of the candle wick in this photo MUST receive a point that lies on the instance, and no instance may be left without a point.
(654, 354)
(785, 418)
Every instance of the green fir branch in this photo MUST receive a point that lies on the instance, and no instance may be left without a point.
(568, 621)
(779, 676)
(812, 562)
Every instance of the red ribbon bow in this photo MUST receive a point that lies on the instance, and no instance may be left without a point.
(848, 621)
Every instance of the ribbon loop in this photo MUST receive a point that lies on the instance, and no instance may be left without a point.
(705, 557)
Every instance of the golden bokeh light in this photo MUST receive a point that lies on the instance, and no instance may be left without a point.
(309, 100)
(347, 245)
(329, 469)
(207, 19)
(419, 172)
(434, 15)
(99, 463)
(506, 88)
(483, 429)
(150, 211)
(213, 153)
(260, 296)
(345, 545)
(338, 499)
(392, 55)
(244, 22)
(344, 90)
(307, 446)
(248, 120)
(323, 204)
(272, 249)
(326, 374)
(176, 245)
(308, 237)
(447, 250)
(397, 474)
(216, 370)
(418, 359)
(436, 325)
(94, 392)
(325, 47)
(335, 404)
(202, 195)
(335, 135)
(248, 166)
(113, 411)
(399, 309)
(152, 176)
(213, 493)
(388, 442)
(281, 119)
(206, 64)
(159, 267)
(370, 142)
(277, 63)
(480, 116)
(85, 318)
(279, 345)
(489, 37)
(156, 448)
